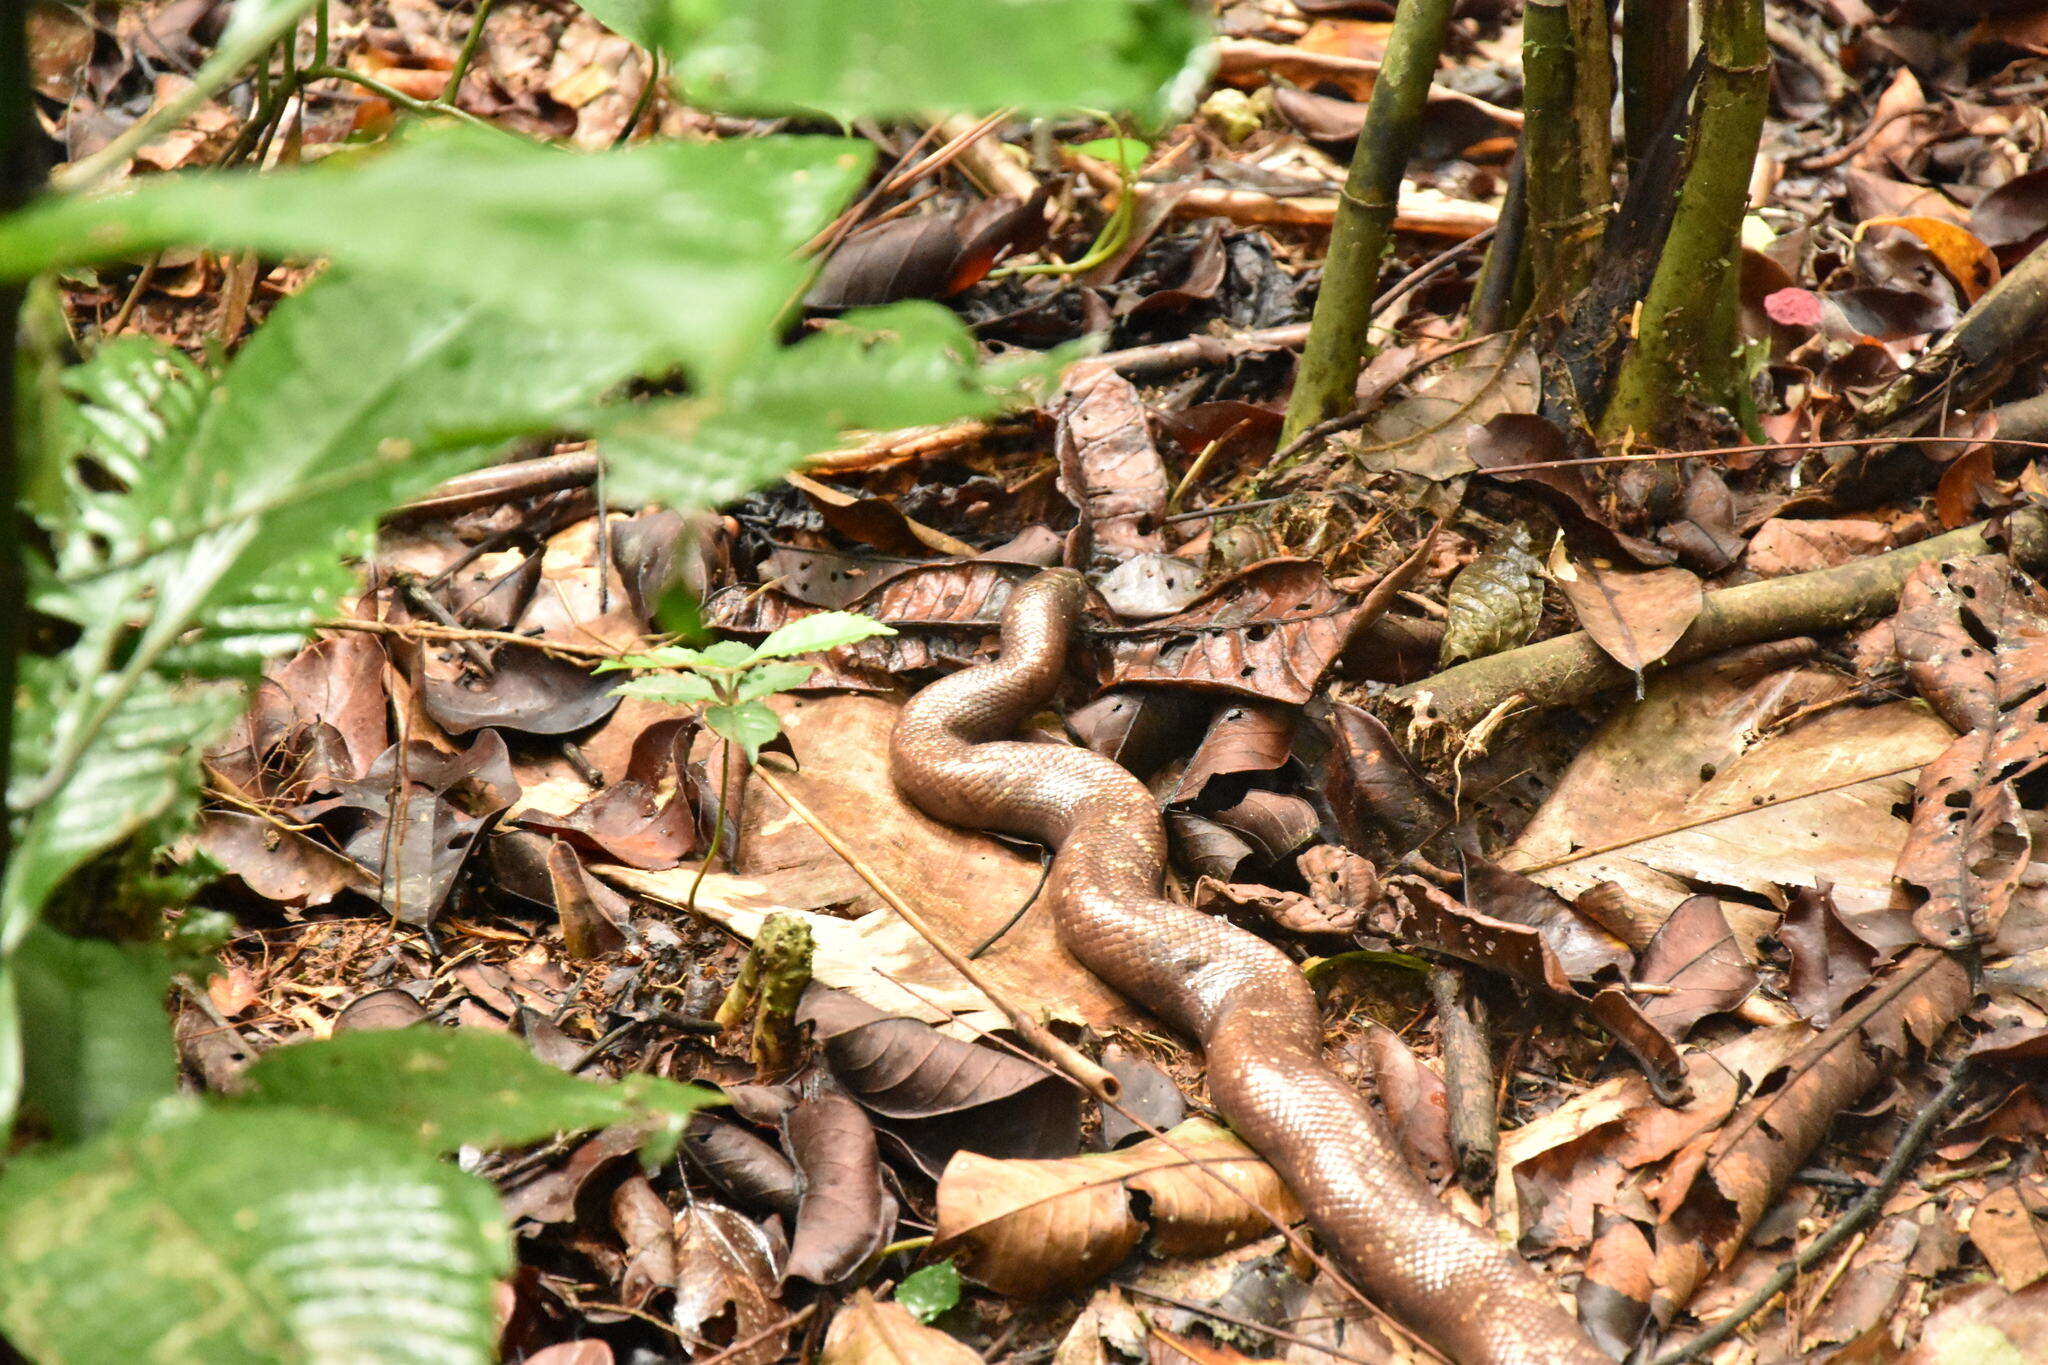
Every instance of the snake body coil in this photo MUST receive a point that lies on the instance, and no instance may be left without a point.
(1243, 1000)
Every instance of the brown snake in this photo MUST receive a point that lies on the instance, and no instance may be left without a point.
(1248, 1005)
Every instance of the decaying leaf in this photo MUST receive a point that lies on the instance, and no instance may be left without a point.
(871, 1331)
(1700, 962)
(749, 1170)
(2010, 1226)
(952, 1093)
(1497, 600)
(726, 1278)
(1030, 1227)
(1110, 469)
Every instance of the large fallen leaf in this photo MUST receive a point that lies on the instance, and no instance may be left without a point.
(1694, 786)
(966, 884)
(871, 1331)
(843, 1215)
(1030, 1227)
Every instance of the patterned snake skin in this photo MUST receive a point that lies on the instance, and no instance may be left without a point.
(1254, 1014)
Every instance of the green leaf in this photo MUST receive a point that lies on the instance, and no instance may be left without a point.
(764, 680)
(750, 724)
(354, 395)
(641, 21)
(908, 56)
(930, 1291)
(1127, 152)
(248, 1237)
(820, 630)
(142, 762)
(878, 368)
(687, 249)
(450, 1088)
(670, 689)
(102, 1042)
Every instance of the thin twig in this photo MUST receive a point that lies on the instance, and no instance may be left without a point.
(426, 630)
(1245, 1323)
(1044, 871)
(746, 1344)
(1861, 1212)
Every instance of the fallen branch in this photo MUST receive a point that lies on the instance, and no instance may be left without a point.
(1571, 668)
(1468, 1077)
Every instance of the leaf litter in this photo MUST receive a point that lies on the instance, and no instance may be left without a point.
(437, 812)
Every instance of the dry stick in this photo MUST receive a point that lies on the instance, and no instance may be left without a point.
(423, 630)
(2002, 330)
(1861, 1212)
(1093, 1078)
(1829, 160)
(1246, 1324)
(748, 1343)
(1468, 1077)
(1572, 668)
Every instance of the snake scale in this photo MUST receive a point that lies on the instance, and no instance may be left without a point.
(1238, 996)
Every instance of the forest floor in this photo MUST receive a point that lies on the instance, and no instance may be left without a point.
(1728, 929)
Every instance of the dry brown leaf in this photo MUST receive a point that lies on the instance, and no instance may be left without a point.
(1031, 1227)
(871, 1331)
(1110, 469)
(2010, 1226)
(966, 884)
(1635, 616)
(1270, 631)
(843, 1214)
(726, 1274)
(1695, 785)
(1785, 545)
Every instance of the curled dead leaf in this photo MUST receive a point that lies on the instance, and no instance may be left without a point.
(1031, 1227)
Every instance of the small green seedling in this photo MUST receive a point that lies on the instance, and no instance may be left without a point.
(732, 680)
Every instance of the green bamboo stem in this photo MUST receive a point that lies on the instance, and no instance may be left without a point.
(1339, 334)
(1683, 350)
(1568, 100)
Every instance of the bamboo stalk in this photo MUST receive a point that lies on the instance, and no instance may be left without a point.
(1683, 350)
(1338, 339)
